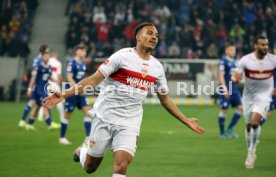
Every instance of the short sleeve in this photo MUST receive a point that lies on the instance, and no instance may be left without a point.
(36, 62)
(111, 65)
(161, 85)
(35, 71)
(59, 69)
(221, 66)
(70, 66)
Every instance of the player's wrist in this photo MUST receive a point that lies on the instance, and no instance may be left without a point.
(63, 94)
(185, 120)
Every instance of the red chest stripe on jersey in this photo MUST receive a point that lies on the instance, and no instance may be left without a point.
(133, 79)
(54, 69)
(258, 74)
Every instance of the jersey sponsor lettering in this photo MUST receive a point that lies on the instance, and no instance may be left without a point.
(133, 79)
(258, 74)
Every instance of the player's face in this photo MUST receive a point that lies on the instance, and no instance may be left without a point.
(46, 56)
(262, 46)
(231, 51)
(148, 37)
(81, 53)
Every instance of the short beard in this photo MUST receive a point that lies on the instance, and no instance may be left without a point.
(262, 54)
(148, 49)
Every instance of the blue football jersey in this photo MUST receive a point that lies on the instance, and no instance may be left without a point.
(77, 69)
(42, 73)
(37, 60)
(228, 66)
(274, 78)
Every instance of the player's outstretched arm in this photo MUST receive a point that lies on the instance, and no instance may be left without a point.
(91, 81)
(170, 106)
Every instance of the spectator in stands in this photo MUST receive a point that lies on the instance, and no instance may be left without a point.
(162, 49)
(189, 54)
(237, 33)
(249, 12)
(129, 30)
(99, 14)
(192, 24)
(71, 40)
(174, 50)
(15, 22)
(103, 30)
(212, 51)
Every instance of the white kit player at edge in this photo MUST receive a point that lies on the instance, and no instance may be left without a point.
(56, 67)
(258, 68)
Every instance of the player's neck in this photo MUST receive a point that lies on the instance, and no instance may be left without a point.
(259, 56)
(229, 58)
(78, 59)
(142, 52)
(44, 63)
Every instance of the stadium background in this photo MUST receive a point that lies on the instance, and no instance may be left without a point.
(192, 33)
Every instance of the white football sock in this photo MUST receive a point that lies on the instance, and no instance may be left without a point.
(60, 109)
(40, 113)
(64, 121)
(118, 175)
(83, 152)
(256, 135)
(247, 138)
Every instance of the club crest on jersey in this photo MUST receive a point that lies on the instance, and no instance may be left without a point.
(92, 142)
(144, 73)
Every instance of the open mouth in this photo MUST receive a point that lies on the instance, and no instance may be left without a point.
(153, 43)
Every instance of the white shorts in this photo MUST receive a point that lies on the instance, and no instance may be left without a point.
(260, 108)
(105, 135)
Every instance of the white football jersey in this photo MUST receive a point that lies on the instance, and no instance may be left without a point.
(128, 78)
(56, 70)
(56, 67)
(259, 77)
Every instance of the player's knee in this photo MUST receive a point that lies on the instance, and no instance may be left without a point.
(240, 109)
(90, 168)
(224, 111)
(248, 127)
(121, 167)
(255, 125)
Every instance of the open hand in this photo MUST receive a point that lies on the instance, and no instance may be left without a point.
(52, 100)
(191, 123)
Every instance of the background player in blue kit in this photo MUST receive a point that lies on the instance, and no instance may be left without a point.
(36, 62)
(41, 74)
(75, 72)
(226, 67)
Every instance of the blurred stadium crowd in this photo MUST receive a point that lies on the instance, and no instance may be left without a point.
(187, 28)
(16, 18)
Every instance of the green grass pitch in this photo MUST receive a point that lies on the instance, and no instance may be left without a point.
(166, 148)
